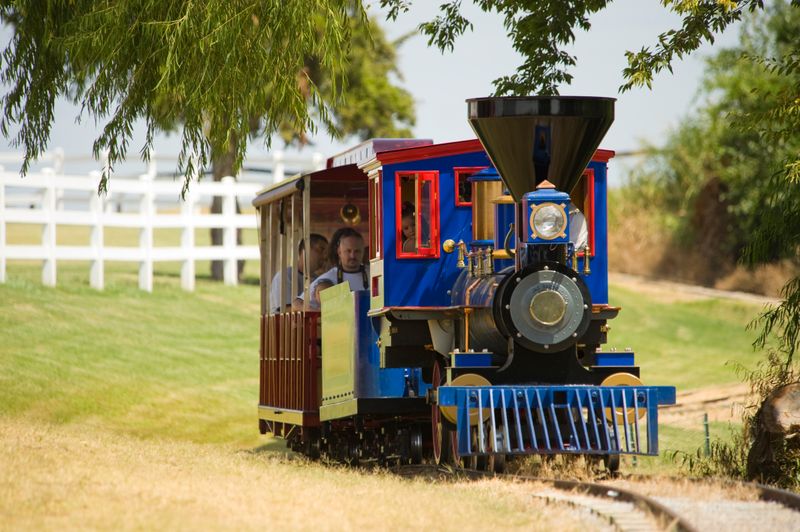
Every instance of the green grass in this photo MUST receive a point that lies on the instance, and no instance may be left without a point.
(688, 344)
(169, 364)
(184, 366)
(675, 443)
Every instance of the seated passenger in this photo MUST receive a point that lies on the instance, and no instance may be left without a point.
(409, 227)
(346, 250)
(316, 261)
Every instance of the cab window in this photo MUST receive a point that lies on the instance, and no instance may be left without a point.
(582, 198)
(463, 186)
(417, 214)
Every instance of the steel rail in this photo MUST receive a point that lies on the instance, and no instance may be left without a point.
(665, 517)
(786, 498)
(766, 493)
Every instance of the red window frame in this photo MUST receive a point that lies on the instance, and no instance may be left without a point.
(431, 252)
(588, 213)
(466, 171)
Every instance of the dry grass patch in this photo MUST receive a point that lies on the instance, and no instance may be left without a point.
(67, 477)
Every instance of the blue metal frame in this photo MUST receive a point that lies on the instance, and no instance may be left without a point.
(597, 281)
(557, 419)
(432, 278)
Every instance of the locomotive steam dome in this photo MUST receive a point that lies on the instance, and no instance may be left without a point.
(533, 138)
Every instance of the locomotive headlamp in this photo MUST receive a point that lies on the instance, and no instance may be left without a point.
(549, 221)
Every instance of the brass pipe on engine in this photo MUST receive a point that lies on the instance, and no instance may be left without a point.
(468, 311)
(462, 248)
(488, 262)
(586, 269)
(478, 268)
(507, 241)
(450, 245)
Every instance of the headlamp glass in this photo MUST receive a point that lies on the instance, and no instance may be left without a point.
(549, 221)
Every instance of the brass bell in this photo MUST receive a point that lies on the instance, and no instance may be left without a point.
(350, 214)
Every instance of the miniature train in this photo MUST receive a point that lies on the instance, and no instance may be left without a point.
(476, 332)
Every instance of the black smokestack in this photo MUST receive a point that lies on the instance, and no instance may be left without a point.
(533, 138)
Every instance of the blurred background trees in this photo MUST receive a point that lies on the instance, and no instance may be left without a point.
(724, 189)
(720, 179)
(222, 74)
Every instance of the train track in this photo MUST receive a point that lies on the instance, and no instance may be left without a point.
(736, 505)
(626, 508)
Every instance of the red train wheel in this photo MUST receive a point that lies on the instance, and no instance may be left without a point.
(453, 441)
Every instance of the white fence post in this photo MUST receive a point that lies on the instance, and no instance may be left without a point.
(49, 229)
(58, 169)
(187, 240)
(97, 207)
(146, 212)
(230, 267)
(2, 225)
(278, 166)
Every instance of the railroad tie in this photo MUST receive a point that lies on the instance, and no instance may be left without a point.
(623, 516)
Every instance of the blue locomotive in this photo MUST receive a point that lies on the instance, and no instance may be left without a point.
(472, 321)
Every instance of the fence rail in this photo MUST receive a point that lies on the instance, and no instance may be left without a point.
(39, 198)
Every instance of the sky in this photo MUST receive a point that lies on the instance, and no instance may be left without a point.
(440, 82)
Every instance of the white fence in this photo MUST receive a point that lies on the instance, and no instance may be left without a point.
(40, 198)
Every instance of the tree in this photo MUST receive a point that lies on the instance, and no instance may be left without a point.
(222, 73)
(370, 106)
(713, 175)
(212, 67)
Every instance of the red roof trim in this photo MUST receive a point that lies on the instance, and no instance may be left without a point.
(449, 148)
(430, 152)
(603, 156)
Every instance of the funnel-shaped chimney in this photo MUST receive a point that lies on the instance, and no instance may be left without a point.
(533, 138)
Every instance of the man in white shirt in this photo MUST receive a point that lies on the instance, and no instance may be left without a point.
(346, 252)
(316, 260)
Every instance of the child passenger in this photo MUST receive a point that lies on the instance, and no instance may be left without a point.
(408, 226)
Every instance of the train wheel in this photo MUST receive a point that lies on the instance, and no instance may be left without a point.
(496, 463)
(481, 463)
(311, 444)
(452, 444)
(611, 462)
(437, 429)
(352, 452)
(415, 444)
(467, 462)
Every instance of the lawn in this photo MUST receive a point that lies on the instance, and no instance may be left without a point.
(169, 363)
(126, 409)
(172, 365)
(690, 342)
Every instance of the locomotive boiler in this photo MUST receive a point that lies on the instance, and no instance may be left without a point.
(479, 330)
